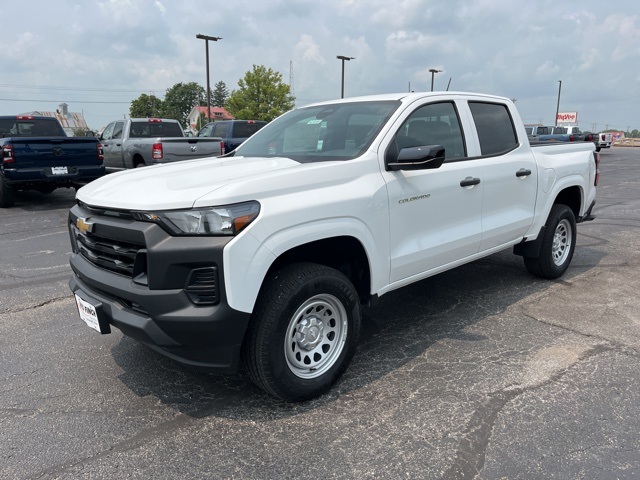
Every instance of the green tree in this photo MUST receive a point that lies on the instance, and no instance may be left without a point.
(220, 95)
(261, 96)
(180, 99)
(81, 132)
(145, 106)
(635, 133)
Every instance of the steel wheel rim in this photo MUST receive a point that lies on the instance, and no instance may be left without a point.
(562, 239)
(316, 336)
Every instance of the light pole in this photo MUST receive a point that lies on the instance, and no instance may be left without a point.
(558, 106)
(343, 58)
(206, 39)
(433, 74)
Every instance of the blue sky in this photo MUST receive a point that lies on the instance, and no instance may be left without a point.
(97, 56)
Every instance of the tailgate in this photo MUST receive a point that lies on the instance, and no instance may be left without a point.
(50, 152)
(190, 147)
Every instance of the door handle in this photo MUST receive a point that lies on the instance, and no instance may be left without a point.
(523, 172)
(469, 182)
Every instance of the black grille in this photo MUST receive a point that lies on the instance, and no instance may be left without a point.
(125, 214)
(114, 255)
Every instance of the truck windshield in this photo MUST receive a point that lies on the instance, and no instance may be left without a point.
(341, 131)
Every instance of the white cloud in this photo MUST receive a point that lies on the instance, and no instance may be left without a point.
(516, 49)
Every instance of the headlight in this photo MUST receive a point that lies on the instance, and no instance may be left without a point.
(223, 220)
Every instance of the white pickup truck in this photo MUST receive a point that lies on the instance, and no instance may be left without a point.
(264, 257)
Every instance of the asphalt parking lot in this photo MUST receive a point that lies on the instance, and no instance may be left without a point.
(481, 372)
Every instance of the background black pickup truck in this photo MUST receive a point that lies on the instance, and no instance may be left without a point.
(37, 155)
(232, 132)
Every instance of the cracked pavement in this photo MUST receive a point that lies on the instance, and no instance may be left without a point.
(482, 372)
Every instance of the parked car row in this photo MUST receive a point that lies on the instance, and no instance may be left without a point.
(36, 154)
(542, 133)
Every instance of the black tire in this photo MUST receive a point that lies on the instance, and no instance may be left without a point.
(558, 244)
(303, 332)
(6, 194)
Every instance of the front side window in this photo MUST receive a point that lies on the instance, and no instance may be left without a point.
(433, 124)
(117, 131)
(341, 131)
(220, 130)
(108, 132)
(495, 128)
(206, 130)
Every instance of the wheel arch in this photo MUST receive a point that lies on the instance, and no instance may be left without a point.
(343, 253)
(137, 158)
(571, 197)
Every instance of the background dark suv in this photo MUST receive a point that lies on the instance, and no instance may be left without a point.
(232, 132)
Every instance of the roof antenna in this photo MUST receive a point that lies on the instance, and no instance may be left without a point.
(448, 84)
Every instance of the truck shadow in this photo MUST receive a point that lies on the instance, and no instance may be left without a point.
(401, 327)
(33, 201)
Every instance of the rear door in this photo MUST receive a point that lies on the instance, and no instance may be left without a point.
(510, 175)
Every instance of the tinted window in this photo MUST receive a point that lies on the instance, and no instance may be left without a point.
(495, 128)
(340, 131)
(246, 129)
(36, 127)
(220, 130)
(433, 124)
(117, 131)
(155, 129)
(206, 130)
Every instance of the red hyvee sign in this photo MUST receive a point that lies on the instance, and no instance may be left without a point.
(567, 117)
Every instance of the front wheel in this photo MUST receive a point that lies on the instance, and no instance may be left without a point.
(558, 244)
(303, 332)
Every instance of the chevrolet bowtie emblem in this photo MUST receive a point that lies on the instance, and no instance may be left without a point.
(84, 225)
(194, 148)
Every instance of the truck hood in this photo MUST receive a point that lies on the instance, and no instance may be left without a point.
(178, 185)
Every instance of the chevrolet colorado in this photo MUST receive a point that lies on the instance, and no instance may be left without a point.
(264, 257)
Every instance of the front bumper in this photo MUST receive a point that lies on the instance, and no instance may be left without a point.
(154, 302)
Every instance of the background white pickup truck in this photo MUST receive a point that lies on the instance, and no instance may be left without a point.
(267, 255)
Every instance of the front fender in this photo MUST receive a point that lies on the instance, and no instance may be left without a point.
(251, 259)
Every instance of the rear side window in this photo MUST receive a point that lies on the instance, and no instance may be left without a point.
(495, 128)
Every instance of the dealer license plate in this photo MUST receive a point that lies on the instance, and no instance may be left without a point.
(59, 170)
(88, 314)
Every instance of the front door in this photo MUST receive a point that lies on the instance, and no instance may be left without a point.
(435, 215)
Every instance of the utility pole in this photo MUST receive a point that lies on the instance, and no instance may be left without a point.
(343, 58)
(433, 74)
(206, 39)
(558, 106)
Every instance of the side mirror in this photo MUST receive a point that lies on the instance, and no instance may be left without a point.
(417, 158)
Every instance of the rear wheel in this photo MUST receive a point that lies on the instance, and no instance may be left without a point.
(558, 244)
(6, 194)
(303, 332)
